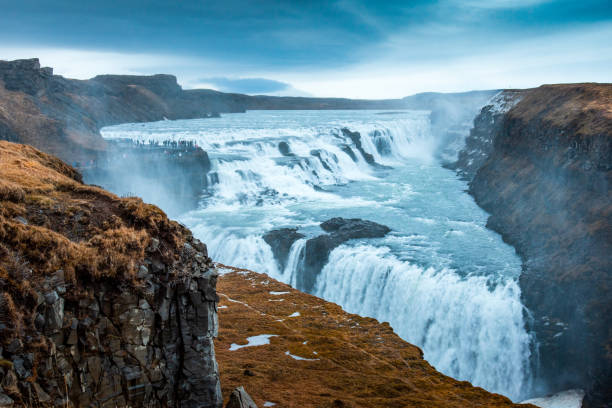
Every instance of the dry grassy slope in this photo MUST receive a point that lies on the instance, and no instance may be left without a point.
(352, 361)
(586, 108)
(71, 226)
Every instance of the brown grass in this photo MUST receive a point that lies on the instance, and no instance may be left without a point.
(586, 107)
(352, 361)
(49, 221)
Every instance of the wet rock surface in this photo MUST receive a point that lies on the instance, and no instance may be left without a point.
(356, 139)
(546, 184)
(280, 241)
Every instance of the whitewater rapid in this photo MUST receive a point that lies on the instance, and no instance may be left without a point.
(441, 279)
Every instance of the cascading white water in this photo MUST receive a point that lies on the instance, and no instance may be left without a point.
(294, 260)
(468, 327)
(443, 281)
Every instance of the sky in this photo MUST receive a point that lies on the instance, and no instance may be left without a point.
(343, 48)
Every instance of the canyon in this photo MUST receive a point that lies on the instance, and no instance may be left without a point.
(537, 160)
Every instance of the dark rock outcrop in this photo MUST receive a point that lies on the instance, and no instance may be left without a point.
(487, 124)
(339, 230)
(546, 182)
(280, 241)
(316, 250)
(283, 148)
(356, 139)
(103, 301)
(172, 178)
(239, 398)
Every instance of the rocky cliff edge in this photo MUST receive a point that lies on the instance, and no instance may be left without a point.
(103, 301)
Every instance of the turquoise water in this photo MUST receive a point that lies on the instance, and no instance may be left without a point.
(442, 280)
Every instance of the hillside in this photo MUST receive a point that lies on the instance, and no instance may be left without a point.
(320, 356)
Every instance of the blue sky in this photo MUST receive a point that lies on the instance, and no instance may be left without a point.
(369, 49)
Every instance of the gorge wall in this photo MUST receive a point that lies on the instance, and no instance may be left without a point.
(103, 301)
(540, 162)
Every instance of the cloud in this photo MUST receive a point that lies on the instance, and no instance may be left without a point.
(246, 85)
(502, 4)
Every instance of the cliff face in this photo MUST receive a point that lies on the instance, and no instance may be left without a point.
(63, 116)
(546, 183)
(313, 354)
(103, 301)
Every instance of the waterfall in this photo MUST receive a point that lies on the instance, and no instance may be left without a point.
(294, 260)
(444, 282)
(469, 328)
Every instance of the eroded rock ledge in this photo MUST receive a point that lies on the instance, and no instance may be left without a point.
(103, 301)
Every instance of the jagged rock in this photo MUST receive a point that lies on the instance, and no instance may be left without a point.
(25, 75)
(283, 148)
(240, 399)
(280, 241)
(356, 139)
(142, 272)
(317, 249)
(542, 169)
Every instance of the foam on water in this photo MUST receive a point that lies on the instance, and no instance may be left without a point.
(468, 327)
(443, 281)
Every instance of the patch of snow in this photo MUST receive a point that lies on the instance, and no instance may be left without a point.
(300, 358)
(222, 307)
(306, 342)
(260, 340)
(278, 293)
(503, 102)
(235, 301)
(269, 404)
(223, 271)
(296, 314)
(563, 399)
(276, 300)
